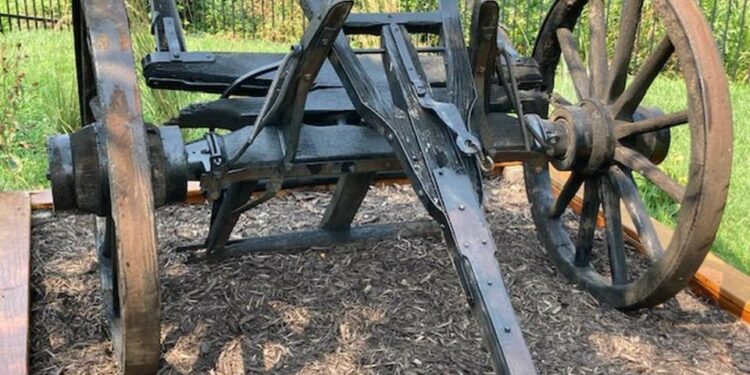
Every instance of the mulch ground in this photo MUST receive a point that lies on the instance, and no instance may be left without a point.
(392, 307)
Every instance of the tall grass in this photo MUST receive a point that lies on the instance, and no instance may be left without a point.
(39, 97)
(12, 96)
(61, 104)
(11, 92)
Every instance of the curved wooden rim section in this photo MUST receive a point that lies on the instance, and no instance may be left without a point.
(706, 191)
(715, 279)
(136, 332)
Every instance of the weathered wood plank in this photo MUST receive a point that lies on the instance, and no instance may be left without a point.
(15, 232)
(42, 199)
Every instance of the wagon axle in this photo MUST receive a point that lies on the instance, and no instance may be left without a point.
(577, 138)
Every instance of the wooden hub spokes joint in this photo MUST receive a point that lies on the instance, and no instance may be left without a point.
(587, 139)
(609, 137)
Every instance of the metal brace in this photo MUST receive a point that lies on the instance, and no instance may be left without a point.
(215, 164)
(175, 52)
(448, 114)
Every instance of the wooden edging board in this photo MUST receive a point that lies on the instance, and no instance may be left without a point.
(15, 266)
(716, 279)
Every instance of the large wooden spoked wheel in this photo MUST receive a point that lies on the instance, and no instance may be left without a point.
(125, 235)
(617, 164)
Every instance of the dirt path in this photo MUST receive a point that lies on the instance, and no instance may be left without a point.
(392, 307)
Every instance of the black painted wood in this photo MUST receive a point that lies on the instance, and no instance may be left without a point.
(350, 192)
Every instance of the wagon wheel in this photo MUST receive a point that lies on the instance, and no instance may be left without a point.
(619, 146)
(125, 230)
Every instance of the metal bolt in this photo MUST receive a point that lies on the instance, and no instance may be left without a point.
(507, 329)
(462, 207)
(484, 242)
(489, 283)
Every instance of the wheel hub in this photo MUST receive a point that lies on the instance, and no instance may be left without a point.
(591, 142)
(578, 137)
(582, 137)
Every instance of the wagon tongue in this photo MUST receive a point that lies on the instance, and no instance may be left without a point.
(441, 156)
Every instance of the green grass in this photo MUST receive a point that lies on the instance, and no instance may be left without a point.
(49, 102)
(49, 106)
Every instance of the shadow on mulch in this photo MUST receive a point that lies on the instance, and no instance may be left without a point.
(392, 307)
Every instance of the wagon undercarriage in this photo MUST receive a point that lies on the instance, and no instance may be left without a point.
(440, 115)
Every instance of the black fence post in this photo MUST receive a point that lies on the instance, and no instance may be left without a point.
(740, 42)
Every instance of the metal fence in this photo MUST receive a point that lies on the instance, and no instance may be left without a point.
(16, 15)
(282, 20)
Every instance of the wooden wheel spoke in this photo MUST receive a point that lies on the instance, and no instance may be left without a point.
(598, 53)
(615, 241)
(566, 195)
(626, 104)
(651, 125)
(629, 193)
(558, 100)
(587, 225)
(630, 18)
(639, 163)
(637, 144)
(574, 62)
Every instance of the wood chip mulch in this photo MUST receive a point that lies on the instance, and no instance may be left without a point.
(392, 307)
